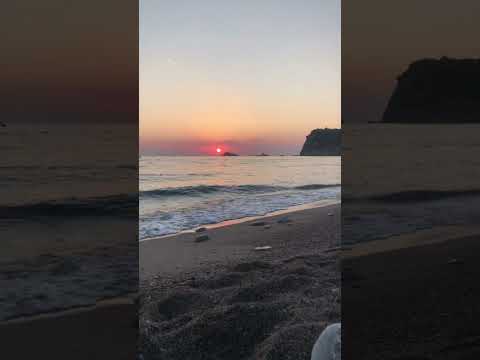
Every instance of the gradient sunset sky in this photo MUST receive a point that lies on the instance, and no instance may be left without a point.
(248, 76)
(380, 39)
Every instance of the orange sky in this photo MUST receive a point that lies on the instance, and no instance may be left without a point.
(252, 78)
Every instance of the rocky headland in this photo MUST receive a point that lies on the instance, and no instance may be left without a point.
(437, 91)
(323, 142)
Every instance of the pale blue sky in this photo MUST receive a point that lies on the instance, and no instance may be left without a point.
(252, 71)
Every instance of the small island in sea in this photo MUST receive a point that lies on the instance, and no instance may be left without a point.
(229, 154)
(323, 142)
(441, 90)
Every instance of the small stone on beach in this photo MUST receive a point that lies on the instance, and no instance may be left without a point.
(262, 248)
(202, 229)
(454, 261)
(284, 220)
(259, 223)
(267, 226)
(330, 214)
(202, 238)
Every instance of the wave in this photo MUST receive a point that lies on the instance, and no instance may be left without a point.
(410, 196)
(316, 186)
(118, 205)
(215, 210)
(238, 189)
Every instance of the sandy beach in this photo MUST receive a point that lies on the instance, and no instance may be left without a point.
(417, 301)
(220, 298)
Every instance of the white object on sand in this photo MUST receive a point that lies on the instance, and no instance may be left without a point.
(328, 344)
(262, 248)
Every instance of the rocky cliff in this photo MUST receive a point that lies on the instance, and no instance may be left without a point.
(323, 142)
(437, 91)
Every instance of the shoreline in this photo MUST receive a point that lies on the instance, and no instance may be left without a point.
(312, 228)
(127, 299)
(291, 209)
(433, 236)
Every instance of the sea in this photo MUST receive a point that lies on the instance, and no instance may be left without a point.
(179, 193)
(399, 179)
(68, 212)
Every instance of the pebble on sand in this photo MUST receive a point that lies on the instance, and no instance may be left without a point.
(262, 248)
(455, 261)
(202, 238)
(200, 230)
(284, 220)
(259, 223)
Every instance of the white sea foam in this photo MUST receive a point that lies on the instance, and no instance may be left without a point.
(181, 193)
(226, 207)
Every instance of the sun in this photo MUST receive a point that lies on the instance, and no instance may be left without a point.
(218, 150)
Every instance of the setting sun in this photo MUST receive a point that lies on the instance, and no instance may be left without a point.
(219, 150)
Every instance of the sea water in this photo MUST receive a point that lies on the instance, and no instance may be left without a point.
(68, 212)
(403, 178)
(179, 193)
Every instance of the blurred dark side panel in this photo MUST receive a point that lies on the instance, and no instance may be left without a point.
(68, 179)
(410, 176)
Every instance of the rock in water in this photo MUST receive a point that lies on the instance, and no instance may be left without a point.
(437, 91)
(229, 154)
(323, 142)
(328, 344)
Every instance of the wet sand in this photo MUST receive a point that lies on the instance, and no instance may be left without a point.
(100, 332)
(221, 299)
(413, 302)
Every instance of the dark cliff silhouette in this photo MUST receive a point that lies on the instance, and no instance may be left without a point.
(323, 142)
(437, 91)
